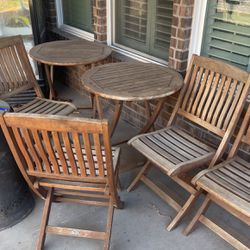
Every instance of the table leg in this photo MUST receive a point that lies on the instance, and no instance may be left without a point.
(49, 70)
(153, 116)
(98, 107)
(117, 113)
(148, 111)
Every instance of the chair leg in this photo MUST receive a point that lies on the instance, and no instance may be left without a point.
(185, 208)
(45, 219)
(138, 177)
(109, 225)
(197, 216)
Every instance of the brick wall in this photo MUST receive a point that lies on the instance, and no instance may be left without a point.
(180, 34)
(100, 20)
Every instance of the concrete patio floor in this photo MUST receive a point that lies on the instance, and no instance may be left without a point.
(140, 225)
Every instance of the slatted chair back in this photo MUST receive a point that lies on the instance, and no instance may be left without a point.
(16, 74)
(212, 96)
(61, 148)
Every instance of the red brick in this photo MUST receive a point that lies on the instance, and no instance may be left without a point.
(185, 22)
(175, 21)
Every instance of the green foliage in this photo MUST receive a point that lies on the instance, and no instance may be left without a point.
(18, 21)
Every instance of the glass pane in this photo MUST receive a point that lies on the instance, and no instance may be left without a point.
(144, 25)
(161, 30)
(227, 32)
(78, 13)
(131, 23)
(15, 20)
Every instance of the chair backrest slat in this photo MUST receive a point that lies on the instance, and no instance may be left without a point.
(16, 74)
(213, 94)
(89, 156)
(59, 153)
(243, 134)
(48, 148)
(55, 146)
(32, 149)
(98, 150)
(23, 148)
(79, 154)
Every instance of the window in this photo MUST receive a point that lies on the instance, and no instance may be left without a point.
(226, 34)
(75, 17)
(144, 26)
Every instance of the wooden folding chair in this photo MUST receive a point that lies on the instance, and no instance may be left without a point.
(228, 185)
(18, 84)
(213, 97)
(65, 159)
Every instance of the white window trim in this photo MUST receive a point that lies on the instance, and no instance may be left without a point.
(124, 50)
(198, 23)
(69, 29)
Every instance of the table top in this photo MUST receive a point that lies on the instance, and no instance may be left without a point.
(70, 52)
(128, 81)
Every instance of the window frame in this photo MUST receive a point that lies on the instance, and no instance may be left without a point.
(122, 49)
(70, 29)
(197, 28)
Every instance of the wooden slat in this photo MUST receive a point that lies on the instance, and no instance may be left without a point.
(75, 232)
(222, 97)
(229, 98)
(222, 233)
(89, 154)
(79, 154)
(59, 152)
(98, 150)
(236, 98)
(30, 143)
(190, 86)
(200, 93)
(23, 149)
(51, 153)
(42, 151)
(211, 92)
(69, 153)
(218, 93)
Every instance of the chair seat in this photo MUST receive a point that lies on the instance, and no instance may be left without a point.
(229, 182)
(46, 106)
(172, 150)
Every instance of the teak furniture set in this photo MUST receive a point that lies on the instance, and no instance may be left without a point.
(69, 159)
(67, 53)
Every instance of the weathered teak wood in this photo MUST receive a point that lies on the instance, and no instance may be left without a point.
(68, 53)
(17, 78)
(228, 185)
(213, 97)
(131, 82)
(65, 159)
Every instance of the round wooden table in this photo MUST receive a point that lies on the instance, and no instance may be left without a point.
(67, 53)
(127, 81)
